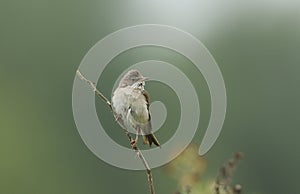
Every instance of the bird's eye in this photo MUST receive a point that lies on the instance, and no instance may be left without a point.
(140, 84)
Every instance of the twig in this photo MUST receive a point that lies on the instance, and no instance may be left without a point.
(92, 85)
(135, 148)
(224, 178)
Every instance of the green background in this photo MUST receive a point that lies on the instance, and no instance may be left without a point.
(256, 45)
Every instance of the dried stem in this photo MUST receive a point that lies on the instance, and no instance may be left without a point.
(135, 148)
(224, 178)
(92, 85)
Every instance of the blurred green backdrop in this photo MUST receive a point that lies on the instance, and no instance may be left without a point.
(256, 45)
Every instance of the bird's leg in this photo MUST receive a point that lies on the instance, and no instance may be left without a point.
(135, 141)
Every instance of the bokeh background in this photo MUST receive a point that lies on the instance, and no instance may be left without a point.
(255, 43)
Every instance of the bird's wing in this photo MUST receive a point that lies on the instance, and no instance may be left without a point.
(148, 136)
(146, 95)
(149, 127)
(119, 105)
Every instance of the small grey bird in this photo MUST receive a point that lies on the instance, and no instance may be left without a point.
(130, 103)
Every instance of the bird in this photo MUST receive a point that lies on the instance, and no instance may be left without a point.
(130, 103)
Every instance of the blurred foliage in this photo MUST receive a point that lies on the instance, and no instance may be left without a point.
(188, 169)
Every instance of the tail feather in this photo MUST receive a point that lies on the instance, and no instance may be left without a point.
(149, 139)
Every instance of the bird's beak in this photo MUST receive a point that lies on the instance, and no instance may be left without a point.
(145, 78)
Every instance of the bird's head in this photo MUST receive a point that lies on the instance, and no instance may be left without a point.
(133, 78)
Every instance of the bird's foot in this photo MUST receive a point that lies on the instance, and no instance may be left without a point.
(133, 143)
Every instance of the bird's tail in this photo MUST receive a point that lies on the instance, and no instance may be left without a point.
(149, 139)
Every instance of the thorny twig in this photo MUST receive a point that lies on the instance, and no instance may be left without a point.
(135, 148)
